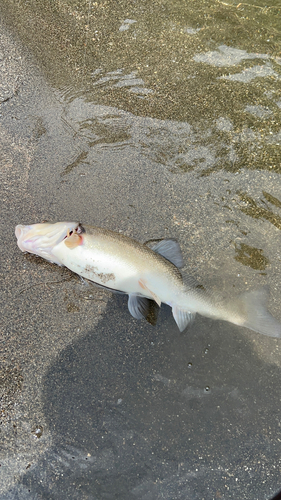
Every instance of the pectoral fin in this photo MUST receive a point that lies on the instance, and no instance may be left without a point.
(73, 241)
(154, 296)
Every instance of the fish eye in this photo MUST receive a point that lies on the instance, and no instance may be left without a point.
(80, 229)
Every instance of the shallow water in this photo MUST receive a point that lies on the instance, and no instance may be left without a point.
(155, 120)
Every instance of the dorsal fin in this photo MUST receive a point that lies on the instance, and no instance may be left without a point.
(170, 249)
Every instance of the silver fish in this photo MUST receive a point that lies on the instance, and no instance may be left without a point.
(115, 261)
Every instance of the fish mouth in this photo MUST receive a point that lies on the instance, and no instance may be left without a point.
(40, 239)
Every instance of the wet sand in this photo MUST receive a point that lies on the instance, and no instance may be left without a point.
(94, 403)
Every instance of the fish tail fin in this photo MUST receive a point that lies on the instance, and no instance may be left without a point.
(250, 310)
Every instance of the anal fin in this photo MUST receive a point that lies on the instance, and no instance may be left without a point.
(182, 318)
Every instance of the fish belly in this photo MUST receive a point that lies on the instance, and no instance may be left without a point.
(104, 269)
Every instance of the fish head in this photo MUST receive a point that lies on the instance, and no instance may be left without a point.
(41, 239)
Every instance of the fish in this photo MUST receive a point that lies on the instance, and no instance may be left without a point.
(147, 275)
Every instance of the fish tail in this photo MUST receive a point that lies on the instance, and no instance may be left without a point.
(250, 310)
